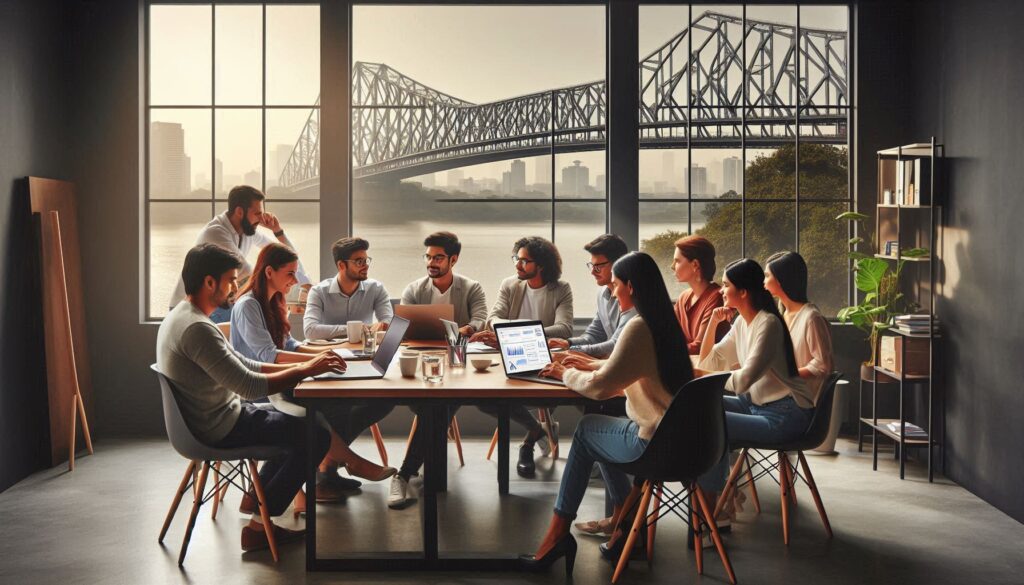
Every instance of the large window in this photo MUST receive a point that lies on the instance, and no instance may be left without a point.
(488, 121)
(232, 98)
(743, 135)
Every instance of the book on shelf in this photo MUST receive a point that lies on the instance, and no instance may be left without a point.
(912, 431)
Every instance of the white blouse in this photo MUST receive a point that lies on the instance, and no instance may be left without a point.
(812, 345)
(755, 353)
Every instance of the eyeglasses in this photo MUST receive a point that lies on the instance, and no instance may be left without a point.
(360, 261)
(518, 260)
(434, 258)
(595, 267)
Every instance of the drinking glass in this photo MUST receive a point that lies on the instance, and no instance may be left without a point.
(433, 366)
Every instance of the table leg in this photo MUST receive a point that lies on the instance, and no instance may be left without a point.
(503, 437)
(311, 468)
(441, 455)
(429, 426)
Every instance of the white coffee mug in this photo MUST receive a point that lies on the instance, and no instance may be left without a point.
(408, 362)
(355, 331)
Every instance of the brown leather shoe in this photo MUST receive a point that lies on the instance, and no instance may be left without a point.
(255, 538)
(248, 504)
(369, 471)
(327, 492)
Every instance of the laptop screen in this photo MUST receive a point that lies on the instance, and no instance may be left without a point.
(523, 347)
(389, 345)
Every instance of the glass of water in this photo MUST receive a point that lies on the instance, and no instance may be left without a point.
(369, 340)
(433, 366)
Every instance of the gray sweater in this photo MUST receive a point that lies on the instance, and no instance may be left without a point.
(208, 374)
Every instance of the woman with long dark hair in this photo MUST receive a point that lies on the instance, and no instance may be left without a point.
(260, 331)
(646, 368)
(772, 402)
(785, 276)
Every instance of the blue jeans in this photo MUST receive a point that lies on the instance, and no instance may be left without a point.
(777, 422)
(598, 439)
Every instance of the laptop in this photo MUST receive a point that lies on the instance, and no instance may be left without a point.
(374, 369)
(524, 350)
(425, 320)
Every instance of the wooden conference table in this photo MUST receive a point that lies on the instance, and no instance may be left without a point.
(460, 386)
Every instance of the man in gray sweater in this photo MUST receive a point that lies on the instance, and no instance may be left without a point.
(211, 380)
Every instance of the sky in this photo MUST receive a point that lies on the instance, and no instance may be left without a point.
(477, 53)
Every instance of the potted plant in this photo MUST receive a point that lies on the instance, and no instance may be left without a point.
(879, 282)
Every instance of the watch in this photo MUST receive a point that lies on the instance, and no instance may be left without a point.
(278, 233)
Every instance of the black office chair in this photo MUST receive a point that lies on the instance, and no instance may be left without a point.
(242, 462)
(689, 440)
(815, 434)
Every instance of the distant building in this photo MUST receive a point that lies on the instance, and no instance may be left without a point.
(253, 179)
(428, 181)
(696, 180)
(168, 167)
(279, 155)
(455, 178)
(668, 169)
(542, 170)
(517, 178)
(600, 185)
(732, 174)
(466, 185)
(506, 183)
(575, 180)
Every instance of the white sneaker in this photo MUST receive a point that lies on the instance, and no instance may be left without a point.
(401, 494)
(543, 443)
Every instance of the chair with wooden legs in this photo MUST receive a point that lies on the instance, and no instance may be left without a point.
(689, 440)
(545, 418)
(454, 435)
(241, 463)
(772, 460)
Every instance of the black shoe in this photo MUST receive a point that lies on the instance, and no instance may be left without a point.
(564, 548)
(344, 484)
(614, 552)
(526, 466)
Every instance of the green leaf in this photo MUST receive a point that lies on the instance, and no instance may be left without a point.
(855, 241)
(870, 297)
(915, 253)
(869, 273)
(851, 215)
(881, 326)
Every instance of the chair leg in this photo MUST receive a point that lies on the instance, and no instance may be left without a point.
(730, 484)
(753, 487)
(791, 474)
(784, 495)
(379, 440)
(216, 490)
(494, 443)
(631, 499)
(549, 428)
(196, 504)
(457, 435)
(177, 499)
(638, 521)
(715, 536)
(652, 527)
(698, 534)
(814, 493)
(261, 500)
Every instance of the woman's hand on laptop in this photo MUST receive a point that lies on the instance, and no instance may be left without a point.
(556, 343)
(487, 337)
(580, 361)
(553, 370)
(328, 361)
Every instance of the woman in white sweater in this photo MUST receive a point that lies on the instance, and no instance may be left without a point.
(646, 369)
(785, 276)
(772, 402)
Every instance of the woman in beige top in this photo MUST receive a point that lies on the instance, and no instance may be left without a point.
(646, 369)
(785, 276)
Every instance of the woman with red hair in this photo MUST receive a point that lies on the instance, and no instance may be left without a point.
(694, 264)
(260, 331)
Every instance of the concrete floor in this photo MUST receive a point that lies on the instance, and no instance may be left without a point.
(100, 523)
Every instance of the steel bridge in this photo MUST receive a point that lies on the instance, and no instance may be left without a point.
(699, 89)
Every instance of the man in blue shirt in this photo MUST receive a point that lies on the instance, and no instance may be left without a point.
(350, 296)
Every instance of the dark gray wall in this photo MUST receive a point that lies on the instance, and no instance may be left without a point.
(968, 91)
(33, 135)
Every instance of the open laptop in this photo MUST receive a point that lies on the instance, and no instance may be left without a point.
(425, 320)
(375, 369)
(524, 350)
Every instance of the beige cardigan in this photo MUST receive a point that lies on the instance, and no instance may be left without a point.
(554, 308)
(631, 370)
(467, 297)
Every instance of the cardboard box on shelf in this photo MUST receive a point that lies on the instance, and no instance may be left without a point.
(911, 362)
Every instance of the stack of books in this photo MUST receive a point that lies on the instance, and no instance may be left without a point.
(915, 324)
(912, 431)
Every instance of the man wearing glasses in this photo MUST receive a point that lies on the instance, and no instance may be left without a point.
(440, 286)
(350, 296)
(599, 338)
(534, 293)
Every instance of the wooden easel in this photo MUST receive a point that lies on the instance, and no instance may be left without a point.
(77, 405)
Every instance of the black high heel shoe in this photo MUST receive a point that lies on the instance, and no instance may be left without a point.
(614, 552)
(566, 547)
